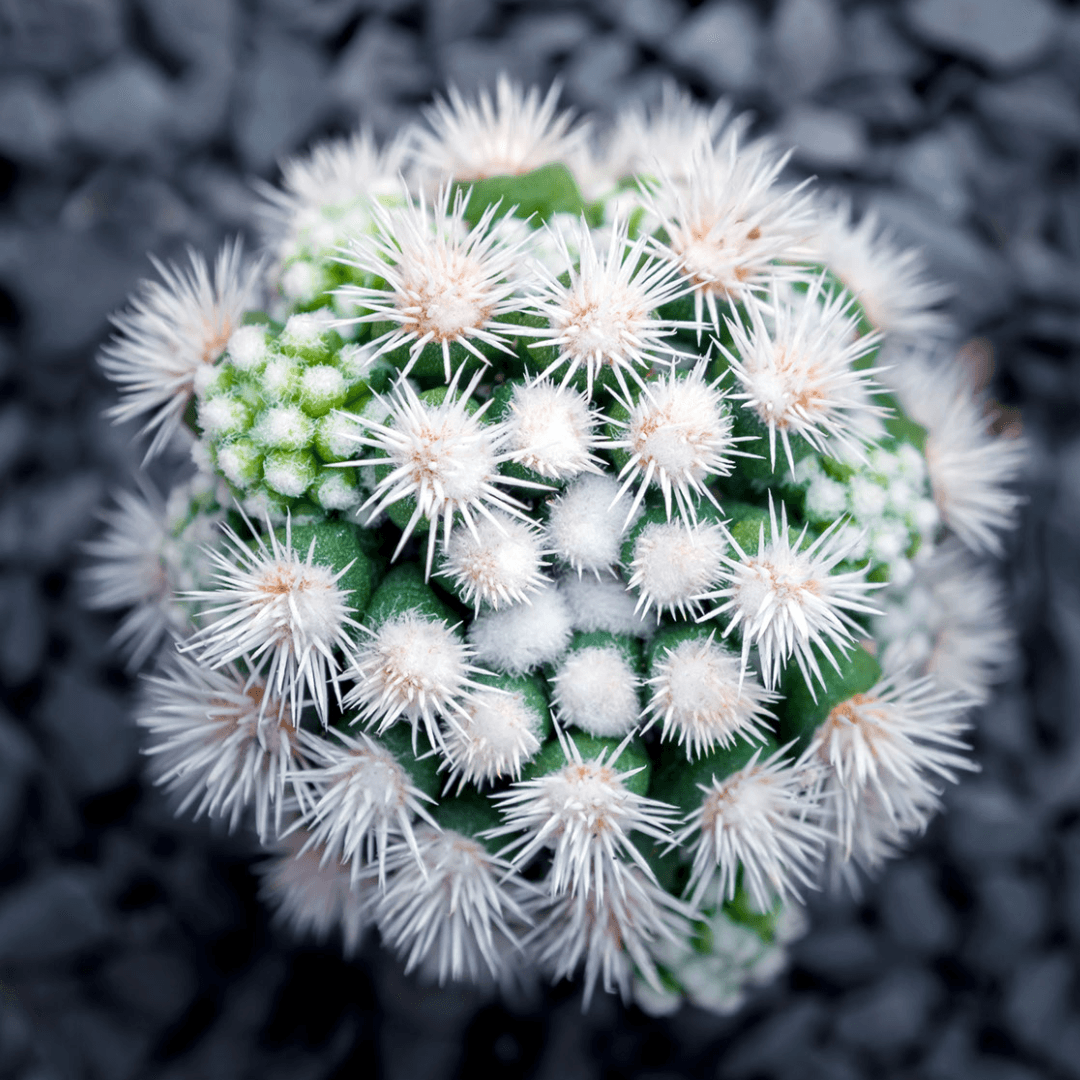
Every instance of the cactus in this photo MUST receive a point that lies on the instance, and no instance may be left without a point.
(581, 558)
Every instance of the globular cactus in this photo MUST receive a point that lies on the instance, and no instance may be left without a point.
(581, 558)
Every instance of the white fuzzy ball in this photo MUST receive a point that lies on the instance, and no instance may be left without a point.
(595, 689)
(550, 430)
(604, 604)
(498, 563)
(247, 347)
(497, 733)
(584, 528)
(520, 638)
(674, 564)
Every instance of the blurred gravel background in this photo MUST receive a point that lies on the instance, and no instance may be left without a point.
(132, 945)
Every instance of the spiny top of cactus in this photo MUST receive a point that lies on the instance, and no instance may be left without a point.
(580, 561)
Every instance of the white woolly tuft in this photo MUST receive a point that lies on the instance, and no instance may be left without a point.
(604, 604)
(494, 736)
(247, 347)
(514, 132)
(498, 562)
(174, 328)
(763, 818)
(674, 564)
(550, 430)
(705, 698)
(523, 637)
(446, 283)
(586, 524)
(891, 283)
(411, 668)
(731, 229)
(139, 564)
(326, 194)
(596, 689)
(973, 474)
(455, 911)
(951, 622)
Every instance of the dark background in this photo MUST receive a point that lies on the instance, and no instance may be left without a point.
(133, 945)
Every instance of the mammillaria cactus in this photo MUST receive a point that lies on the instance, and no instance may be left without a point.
(581, 557)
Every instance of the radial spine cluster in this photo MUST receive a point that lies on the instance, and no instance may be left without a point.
(584, 553)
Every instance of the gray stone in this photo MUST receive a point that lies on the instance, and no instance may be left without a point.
(381, 65)
(876, 47)
(1034, 104)
(1006, 722)
(91, 735)
(201, 102)
(451, 20)
(31, 122)
(105, 1047)
(200, 31)
(985, 823)
(120, 110)
(544, 38)
(282, 96)
(50, 917)
(721, 42)
(18, 761)
(883, 100)
(1037, 999)
(914, 912)
(892, 1015)
(824, 138)
(807, 37)
(1045, 272)
(156, 983)
(1000, 33)
(775, 1042)
(59, 37)
(475, 64)
(595, 72)
(649, 20)
(219, 193)
(90, 276)
(936, 165)
(56, 514)
(846, 954)
(14, 436)
(23, 628)
(982, 279)
(1013, 914)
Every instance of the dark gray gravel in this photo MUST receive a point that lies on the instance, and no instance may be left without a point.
(131, 944)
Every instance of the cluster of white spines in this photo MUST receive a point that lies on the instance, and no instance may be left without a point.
(271, 602)
(705, 698)
(787, 601)
(586, 812)
(615, 384)
(414, 669)
(762, 822)
(883, 756)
